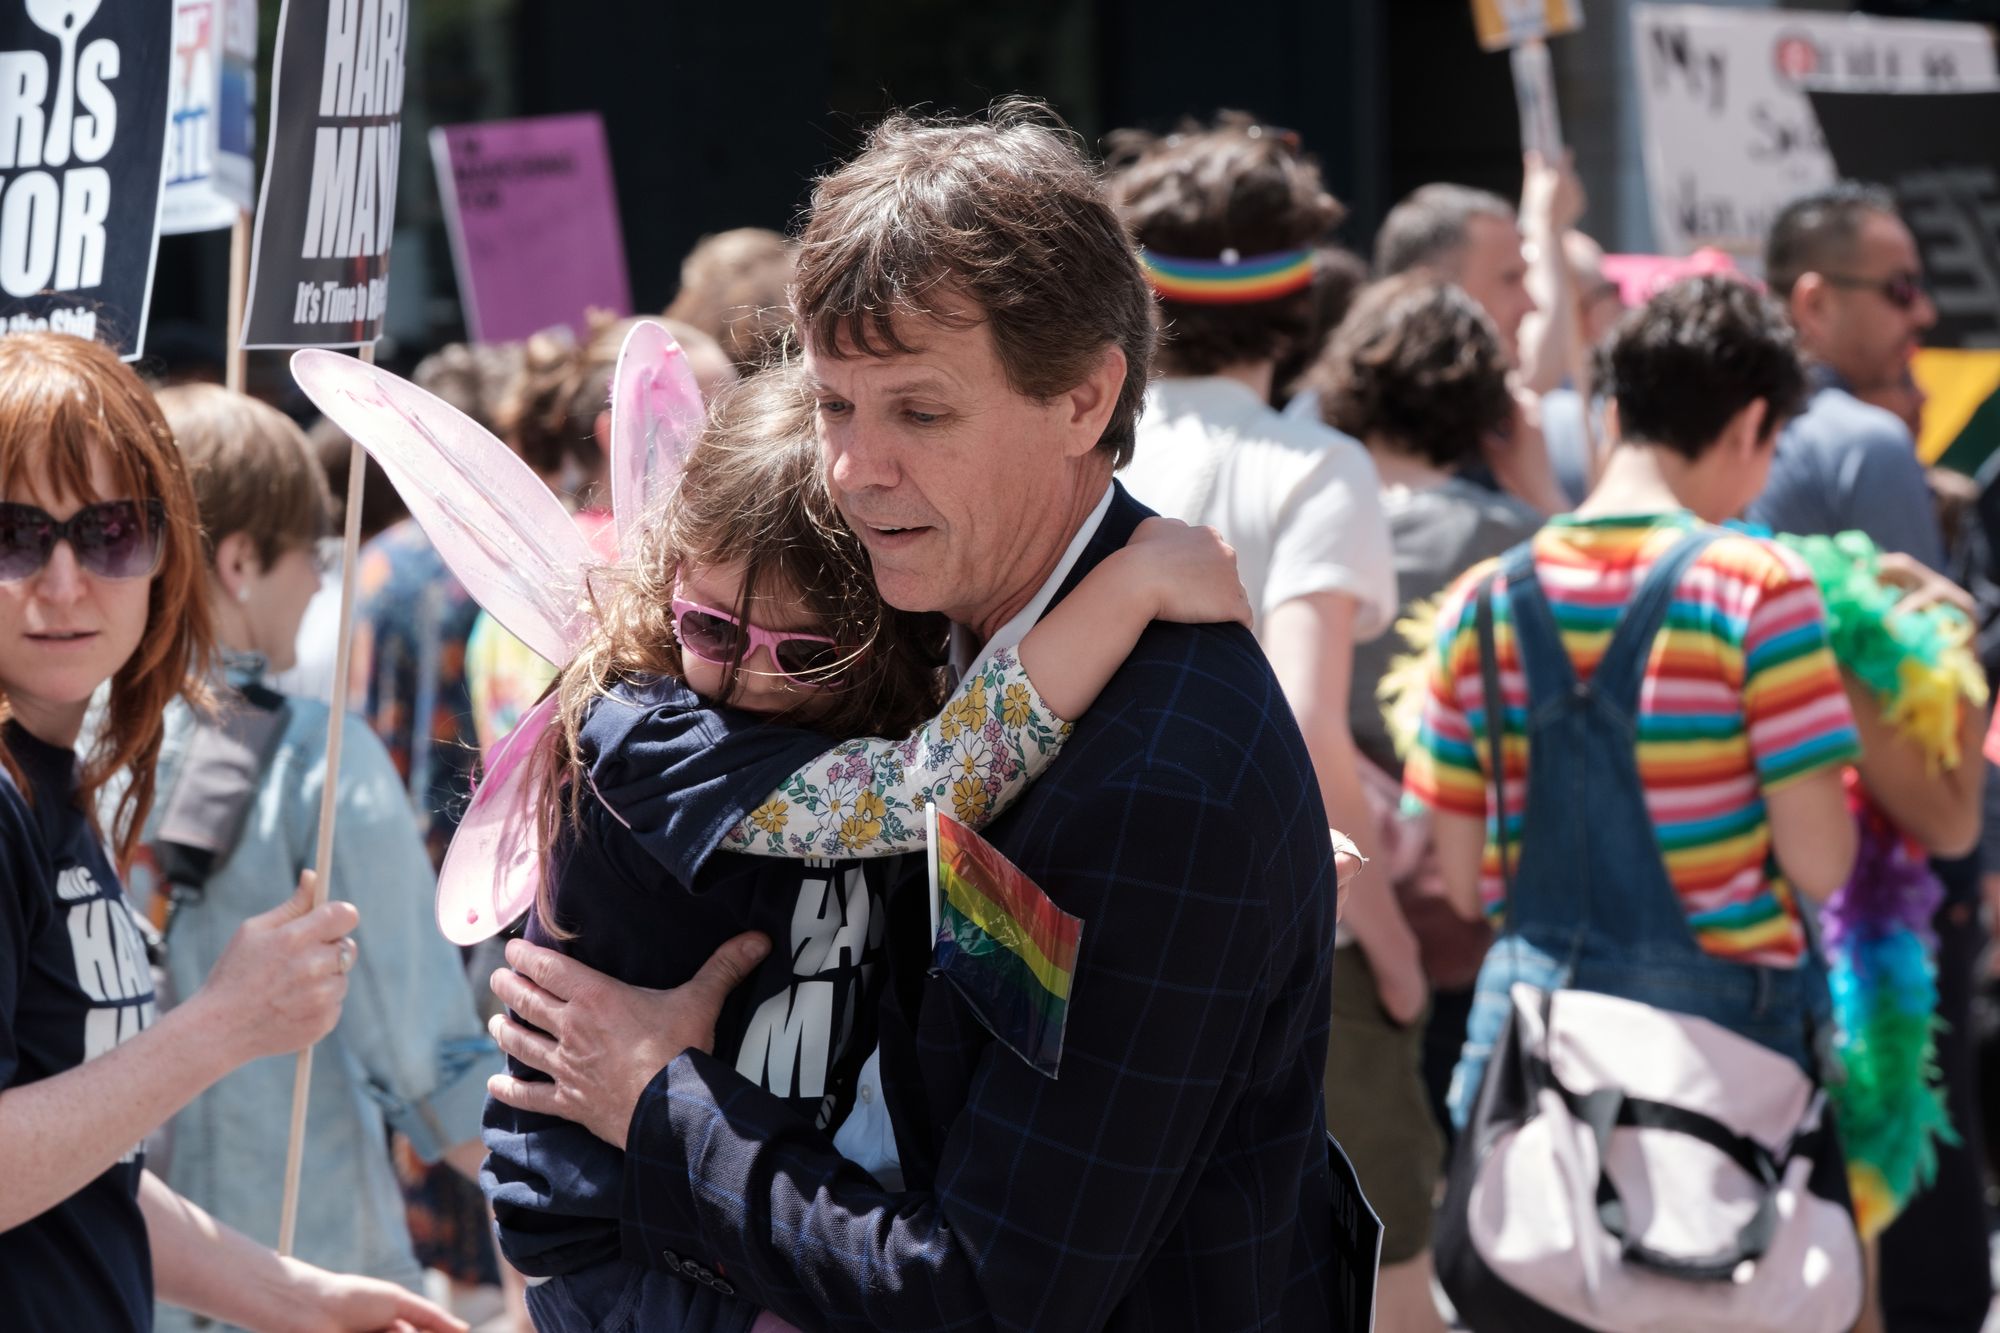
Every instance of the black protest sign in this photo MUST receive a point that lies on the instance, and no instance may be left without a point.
(1357, 1241)
(319, 268)
(1940, 153)
(83, 123)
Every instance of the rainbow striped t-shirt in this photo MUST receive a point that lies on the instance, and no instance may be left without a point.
(1740, 697)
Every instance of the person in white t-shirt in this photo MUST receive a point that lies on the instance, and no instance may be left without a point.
(1226, 218)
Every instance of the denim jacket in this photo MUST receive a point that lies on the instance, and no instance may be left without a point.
(409, 1052)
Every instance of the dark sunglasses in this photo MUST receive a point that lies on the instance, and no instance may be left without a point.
(810, 661)
(115, 539)
(1902, 291)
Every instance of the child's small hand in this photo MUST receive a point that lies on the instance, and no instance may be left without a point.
(1189, 572)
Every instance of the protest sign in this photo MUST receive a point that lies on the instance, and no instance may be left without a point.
(533, 220)
(1505, 23)
(189, 201)
(1730, 136)
(319, 262)
(1357, 1240)
(83, 120)
(1535, 100)
(234, 171)
(1642, 277)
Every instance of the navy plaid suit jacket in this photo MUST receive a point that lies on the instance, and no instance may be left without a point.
(1174, 1175)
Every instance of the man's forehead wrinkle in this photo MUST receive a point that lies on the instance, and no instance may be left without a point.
(919, 379)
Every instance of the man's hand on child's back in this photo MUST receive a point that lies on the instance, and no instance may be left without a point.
(601, 1041)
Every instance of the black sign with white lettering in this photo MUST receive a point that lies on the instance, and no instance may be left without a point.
(319, 271)
(1357, 1241)
(1940, 153)
(83, 122)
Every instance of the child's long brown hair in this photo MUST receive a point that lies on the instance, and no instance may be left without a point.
(63, 400)
(751, 495)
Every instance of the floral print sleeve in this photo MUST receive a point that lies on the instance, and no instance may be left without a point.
(866, 798)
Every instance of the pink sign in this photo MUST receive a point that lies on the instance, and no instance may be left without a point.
(1641, 277)
(533, 219)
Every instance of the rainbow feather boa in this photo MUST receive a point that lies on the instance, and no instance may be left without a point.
(1883, 975)
(1879, 947)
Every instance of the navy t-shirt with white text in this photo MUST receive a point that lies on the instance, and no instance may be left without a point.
(74, 982)
(648, 903)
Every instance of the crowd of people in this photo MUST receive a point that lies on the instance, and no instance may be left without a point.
(1233, 587)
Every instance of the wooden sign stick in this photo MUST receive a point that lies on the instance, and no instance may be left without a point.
(350, 557)
(236, 360)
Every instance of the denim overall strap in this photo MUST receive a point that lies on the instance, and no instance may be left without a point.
(1590, 903)
(1587, 831)
(1622, 669)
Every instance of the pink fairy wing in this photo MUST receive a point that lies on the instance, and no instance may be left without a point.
(656, 412)
(509, 541)
(490, 873)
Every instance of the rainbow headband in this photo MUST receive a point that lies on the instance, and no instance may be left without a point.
(1231, 279)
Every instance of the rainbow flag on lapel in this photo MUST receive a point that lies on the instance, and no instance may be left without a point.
(1008, 950)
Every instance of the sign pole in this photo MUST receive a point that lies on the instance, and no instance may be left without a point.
(350, 557)
(237, 363)
(334, 100)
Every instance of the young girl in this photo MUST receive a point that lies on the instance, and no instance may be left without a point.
(101, 580)
(747, 631)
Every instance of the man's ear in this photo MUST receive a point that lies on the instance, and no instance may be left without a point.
(1809, 306)
(236, 563)
(1087, 408)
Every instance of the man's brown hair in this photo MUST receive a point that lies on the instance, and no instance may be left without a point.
(1004, 213)
(1430, 228)
(1203, 191)
(252, 469)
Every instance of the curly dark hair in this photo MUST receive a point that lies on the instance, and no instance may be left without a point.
(1694, 356)
(1338, 277)
(1232, 185)
(1416, 362)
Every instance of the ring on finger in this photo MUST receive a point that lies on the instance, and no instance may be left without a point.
(1344, 846)
(344, 953)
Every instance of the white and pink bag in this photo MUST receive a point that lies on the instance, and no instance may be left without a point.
(1628, 1169)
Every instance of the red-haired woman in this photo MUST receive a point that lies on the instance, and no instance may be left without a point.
(102, 578)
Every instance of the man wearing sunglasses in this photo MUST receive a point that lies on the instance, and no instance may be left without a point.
(1848, 270)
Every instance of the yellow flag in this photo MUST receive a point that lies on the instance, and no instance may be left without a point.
(1956, 384)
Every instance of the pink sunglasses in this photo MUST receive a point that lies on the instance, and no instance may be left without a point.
(809, 661)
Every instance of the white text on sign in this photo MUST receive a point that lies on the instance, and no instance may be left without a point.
(351, 210)
(335, 303)
(52, 222)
